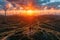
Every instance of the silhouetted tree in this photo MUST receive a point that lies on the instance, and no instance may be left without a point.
(6, 7)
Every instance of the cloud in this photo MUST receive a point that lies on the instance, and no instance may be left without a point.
(3, 3)
(16, 1)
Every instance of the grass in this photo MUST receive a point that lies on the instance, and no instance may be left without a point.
(46, 27)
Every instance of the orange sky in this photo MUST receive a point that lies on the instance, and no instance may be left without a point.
(34, 12)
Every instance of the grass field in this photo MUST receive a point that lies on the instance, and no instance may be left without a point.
(43, 27)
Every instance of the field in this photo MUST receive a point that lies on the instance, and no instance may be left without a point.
(43, 27)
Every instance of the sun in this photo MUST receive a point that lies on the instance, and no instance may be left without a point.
(30, 12)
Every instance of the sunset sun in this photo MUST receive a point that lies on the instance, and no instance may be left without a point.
(30, 12)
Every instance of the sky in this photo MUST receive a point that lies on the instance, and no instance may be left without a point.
(50, 1)
(55, 0)
(4, 2)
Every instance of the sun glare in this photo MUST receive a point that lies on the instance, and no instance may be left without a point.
(30, 12)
